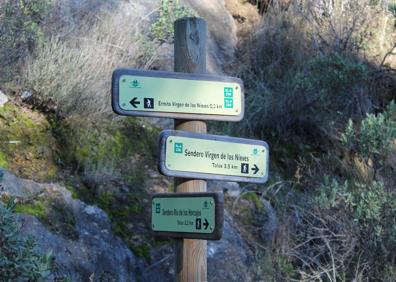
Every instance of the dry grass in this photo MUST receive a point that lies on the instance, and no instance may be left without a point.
(348, 25)
(324, 247)
(75, 74)
(309, 47)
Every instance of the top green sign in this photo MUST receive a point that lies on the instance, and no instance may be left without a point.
(177, 95)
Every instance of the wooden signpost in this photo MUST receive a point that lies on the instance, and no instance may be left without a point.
(191, 96)
(190, 57)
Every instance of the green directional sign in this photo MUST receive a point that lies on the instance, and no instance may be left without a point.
(187, 215)
(193, 155)
(177, 95)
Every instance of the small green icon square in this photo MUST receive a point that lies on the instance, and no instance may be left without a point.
(228, 103)
(178, 148)
(228, 92)
(135, 84)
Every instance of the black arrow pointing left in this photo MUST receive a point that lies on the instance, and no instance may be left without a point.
(134, 102)
(206, 224)
(255, 169)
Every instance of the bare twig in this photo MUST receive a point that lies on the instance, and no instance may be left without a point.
(388, 54)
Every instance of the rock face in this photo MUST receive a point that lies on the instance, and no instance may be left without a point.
(222, 32)
(222, 37)
(229, 259)
(230, 189)
(268, 230)
(84, 246)
(95, 252)
(3, 99)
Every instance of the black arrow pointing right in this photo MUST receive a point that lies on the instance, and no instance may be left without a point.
(206, 224)
(255, 169)
(134, 102)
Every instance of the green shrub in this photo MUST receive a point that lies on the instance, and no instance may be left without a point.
(331, 192)
(169, 11)
(20, 260)
(373, 136)
(304, 97)
(20, 31)
(3, 161)
(36, 209)
(369, 205)
(346, 226)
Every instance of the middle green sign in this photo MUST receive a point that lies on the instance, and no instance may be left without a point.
(203, 156)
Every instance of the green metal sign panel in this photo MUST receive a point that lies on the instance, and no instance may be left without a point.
(184, 214)
(177, 95)
(192, 155)
(187, 215)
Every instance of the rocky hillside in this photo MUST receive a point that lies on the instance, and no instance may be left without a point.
(320, 79)
(113, 242)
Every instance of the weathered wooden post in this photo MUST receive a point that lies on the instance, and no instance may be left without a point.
(191, 215)
(190, 57)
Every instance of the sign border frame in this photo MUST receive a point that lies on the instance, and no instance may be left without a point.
(217, 233)
(175, 75)
(208, 176)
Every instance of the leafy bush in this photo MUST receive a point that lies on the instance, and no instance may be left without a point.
(347, 232)
(305, 97)
(331, 192)
(20, 260)
(374, 135)
(369, 204)
(20, 31)
(169, 11)
(328, 84)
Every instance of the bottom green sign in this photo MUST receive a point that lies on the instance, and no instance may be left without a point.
(187, 215)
